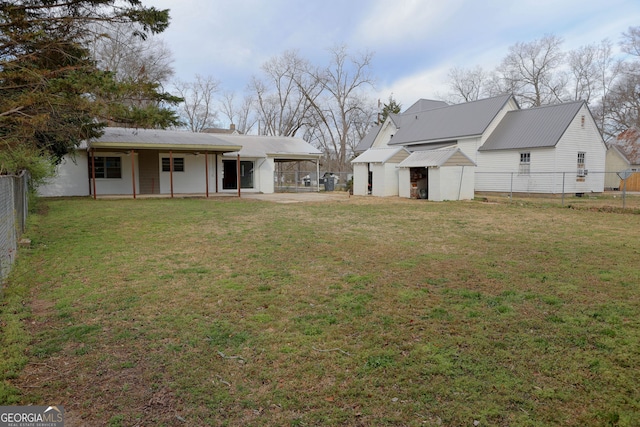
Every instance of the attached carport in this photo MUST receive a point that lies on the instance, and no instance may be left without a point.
(442, 174)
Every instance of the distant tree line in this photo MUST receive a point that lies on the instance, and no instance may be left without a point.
(540, 72)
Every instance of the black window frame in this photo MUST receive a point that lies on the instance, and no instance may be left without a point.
(178, 164)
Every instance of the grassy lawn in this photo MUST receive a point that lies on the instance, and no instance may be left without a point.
(361, 312)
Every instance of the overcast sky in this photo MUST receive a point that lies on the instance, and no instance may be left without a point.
(415, 42)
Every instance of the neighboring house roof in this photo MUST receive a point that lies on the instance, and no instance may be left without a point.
(379, 155)
(628, 145)
(277, 147)
(439, 158)
(115, 138)
(449, 123)
(424, 105)
(368, 140)
(231, 130)
(533, 128)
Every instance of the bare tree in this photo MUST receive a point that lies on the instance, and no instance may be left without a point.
(623, 101)
(283, 97)
(534, 70)
(343, 103)
(241, 115)
(197, 110)
(467, 84)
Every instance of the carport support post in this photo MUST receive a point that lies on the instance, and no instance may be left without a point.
(133, 173)
(93, 171)
(318, 174)
(238, 174)
(206, 172)
(171, 171)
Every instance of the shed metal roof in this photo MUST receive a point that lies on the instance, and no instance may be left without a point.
(378, 155)
(532, 128)
(116, 138)
(449, 123)
(437, 158)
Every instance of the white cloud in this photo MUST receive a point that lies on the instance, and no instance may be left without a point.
(403, 21)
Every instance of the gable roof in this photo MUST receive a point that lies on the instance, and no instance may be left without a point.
(368, 140)
(532, 128)
(628, 145)
(117, 138)
(379, 155)
(424, 105)
(439, 158)
(277, 147)
(451, 122)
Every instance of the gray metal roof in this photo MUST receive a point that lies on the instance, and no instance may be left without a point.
(425, 105)
(449, 123)
(378, 155)
(439, 158)
(278, 147)
(532, 128)
(140, 139)
(368, 140)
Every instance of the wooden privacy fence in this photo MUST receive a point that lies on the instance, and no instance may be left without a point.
(633, 182)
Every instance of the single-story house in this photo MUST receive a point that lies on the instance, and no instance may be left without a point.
(549, 149)
(150, 161)
(623, 154)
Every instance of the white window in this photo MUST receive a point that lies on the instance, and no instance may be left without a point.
(581, 163)
(525, 164)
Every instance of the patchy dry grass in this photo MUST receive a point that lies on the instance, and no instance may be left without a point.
(366, 312)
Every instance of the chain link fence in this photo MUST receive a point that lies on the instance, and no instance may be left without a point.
(563, 188)
(301, 181)
(13, 217)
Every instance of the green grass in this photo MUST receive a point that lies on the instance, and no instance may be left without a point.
(359, 312)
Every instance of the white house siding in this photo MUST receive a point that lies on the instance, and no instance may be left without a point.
(360, 179)
(390, 179)
(263, 176)
(385, 134)
(404, 182)
(498, 170)
(192, 180)
(614, 163)
(71, 178)
(585, 138)
(117, 185)
(470, 147)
